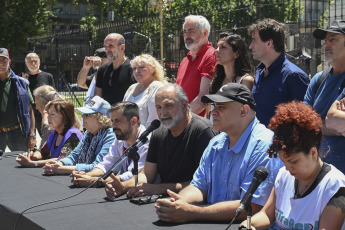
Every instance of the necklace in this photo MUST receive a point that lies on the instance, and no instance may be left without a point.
(298, 193)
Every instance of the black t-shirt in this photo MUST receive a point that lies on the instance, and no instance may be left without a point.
(177, 158)
(120, 80)
(42, 78)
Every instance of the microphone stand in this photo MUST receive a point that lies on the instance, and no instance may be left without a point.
(132, 152)
(249, 216)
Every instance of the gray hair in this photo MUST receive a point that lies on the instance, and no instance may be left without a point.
(180, 94)
(200, 21)
(46, 93)
(32, 54)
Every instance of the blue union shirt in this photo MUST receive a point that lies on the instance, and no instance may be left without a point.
(285, 82)
(321, 100)
(227, 173)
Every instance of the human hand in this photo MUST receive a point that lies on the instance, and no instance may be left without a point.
(244, 224)
(87, 62)
(97, 61)
(24, 160)
(144, 189)
(25, 75)
(341, 105)
(173, 209)
(51, 167)
(36, 156)
(80, 179)
(114, 188)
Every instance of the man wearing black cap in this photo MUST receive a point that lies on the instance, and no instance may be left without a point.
(227, 166)
(17, 121)
(326, 86)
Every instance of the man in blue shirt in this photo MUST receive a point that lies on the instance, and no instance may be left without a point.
(277, 80)
(321, 95)
(227, 166)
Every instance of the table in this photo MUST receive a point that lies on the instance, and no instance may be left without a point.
(22, 188)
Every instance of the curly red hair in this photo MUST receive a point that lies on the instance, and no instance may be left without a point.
(297, 128)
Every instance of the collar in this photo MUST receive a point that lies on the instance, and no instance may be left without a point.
(277, 63)
(200, 52)
(241, 142)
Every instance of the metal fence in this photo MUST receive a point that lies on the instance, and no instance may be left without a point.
(62, 54)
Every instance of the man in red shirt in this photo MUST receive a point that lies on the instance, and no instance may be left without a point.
(198, 68)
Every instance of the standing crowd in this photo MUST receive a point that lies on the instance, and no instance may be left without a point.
(219, 123)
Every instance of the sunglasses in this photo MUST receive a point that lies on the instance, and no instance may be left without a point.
(88, 114)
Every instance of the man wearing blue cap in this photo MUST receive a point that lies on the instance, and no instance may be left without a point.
(326, 86)
(17, 120)
(227, 166)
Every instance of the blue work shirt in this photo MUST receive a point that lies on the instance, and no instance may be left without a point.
(321, 100)
(227, 173)
(284, 82)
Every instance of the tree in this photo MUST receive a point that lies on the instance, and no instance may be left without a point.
(21, 19)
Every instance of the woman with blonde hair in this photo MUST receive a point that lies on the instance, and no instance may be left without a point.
(149, 74)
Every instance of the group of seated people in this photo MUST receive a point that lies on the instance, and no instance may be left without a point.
(204, 168)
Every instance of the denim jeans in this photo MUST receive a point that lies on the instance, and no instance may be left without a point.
(14, 139)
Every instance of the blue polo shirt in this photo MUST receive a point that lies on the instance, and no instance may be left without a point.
(227, 173)
(321, 100)
(285, 82)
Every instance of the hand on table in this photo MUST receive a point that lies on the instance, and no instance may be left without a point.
(51, 167)
(80, 179)
(114, 188)
(173, 209)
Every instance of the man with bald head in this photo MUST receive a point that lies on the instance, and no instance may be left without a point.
(114, 77)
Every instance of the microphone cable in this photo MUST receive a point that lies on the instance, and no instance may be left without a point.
(50, 202)
(66, 198)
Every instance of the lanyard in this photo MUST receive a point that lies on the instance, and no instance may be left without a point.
(124, 149)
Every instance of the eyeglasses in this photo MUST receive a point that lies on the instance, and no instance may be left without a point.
(88, 114)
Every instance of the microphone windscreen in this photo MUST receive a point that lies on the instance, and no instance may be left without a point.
(261, 173)
(155, 124)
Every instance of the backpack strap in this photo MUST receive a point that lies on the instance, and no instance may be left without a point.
(323, 77)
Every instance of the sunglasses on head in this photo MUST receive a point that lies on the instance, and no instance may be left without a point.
(88, 114)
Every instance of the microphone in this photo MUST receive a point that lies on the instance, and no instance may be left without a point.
(260, 175)
(143, 137)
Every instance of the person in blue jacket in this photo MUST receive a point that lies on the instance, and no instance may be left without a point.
(95, 143)
(17, 121)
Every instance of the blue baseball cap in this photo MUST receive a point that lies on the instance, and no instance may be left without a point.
(94, 105)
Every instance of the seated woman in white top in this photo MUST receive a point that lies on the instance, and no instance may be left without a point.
(308, 193)
(150, 77)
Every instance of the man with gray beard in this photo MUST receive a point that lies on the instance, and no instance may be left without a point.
(114, 77)
(198, 67)
(175, 148)
(36, 79)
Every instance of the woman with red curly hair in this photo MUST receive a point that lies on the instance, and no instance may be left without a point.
(308, 193)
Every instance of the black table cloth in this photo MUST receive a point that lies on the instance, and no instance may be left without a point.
(22, 188)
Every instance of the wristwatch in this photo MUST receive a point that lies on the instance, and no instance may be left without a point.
(36, 164)
(99, 183)
(33, 135)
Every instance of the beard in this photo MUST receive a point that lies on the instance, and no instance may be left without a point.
(174, 120)
(192, 43)
(124, 135)
(33, 68)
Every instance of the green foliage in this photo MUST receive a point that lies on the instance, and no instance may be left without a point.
(21, 19)
(88, 23)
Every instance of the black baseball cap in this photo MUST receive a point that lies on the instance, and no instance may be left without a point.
(101, 53)
(337, 27)
(231, 92)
